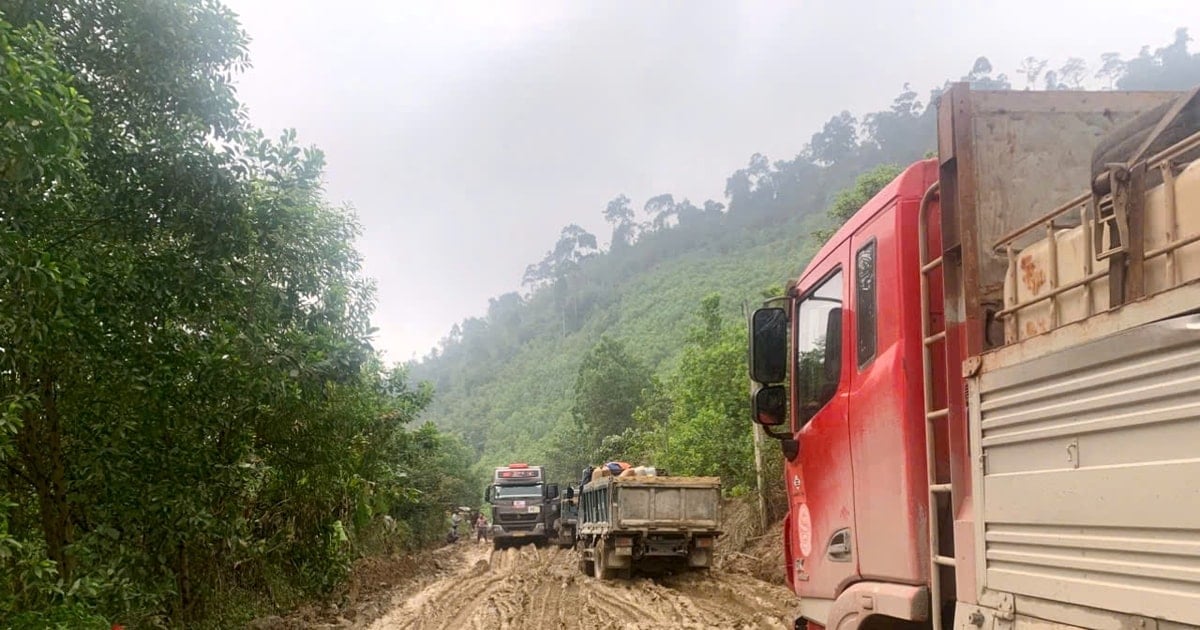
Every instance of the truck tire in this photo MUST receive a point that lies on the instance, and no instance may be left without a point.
(585, 566)
(602, 572)
(598, 570)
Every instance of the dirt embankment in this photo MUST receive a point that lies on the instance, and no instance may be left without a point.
(742, 550)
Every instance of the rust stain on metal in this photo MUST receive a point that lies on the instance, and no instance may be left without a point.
(1032, 275)
(1033, 329)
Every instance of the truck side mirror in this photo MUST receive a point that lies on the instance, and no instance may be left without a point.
(768, 345)
(487, 494)
(769, 405)
(552, 491)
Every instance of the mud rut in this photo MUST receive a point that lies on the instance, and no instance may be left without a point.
(542, 588)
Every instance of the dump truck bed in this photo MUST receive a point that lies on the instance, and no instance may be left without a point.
(650, 503)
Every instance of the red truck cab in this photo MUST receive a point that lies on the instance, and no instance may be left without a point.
(856, 472)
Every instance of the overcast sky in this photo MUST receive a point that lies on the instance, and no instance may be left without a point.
(467, 134)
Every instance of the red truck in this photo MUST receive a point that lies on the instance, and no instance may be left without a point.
(987, 383)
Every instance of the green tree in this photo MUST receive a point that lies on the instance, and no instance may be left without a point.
(850, 200)
(189, 402)
(1072, 73)
(981, 77)
(1171, 67)
(41, 150)
(837, 140)
(574, 246)
(1112, 68)
(619, 213)
(608, 389)
(697, 423)
(1032, 68)
(660, 209)
(894, 134)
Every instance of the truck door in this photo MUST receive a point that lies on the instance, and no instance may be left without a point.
(886, 425)
(820, 479)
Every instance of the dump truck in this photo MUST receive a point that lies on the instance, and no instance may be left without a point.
(649, 523)
(986, 384)
(525, 509)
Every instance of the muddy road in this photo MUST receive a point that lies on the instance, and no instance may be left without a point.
(475, 587)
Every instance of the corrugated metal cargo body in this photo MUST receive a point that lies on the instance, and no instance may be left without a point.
(1010, 442)
(1080, 419)
(1090, 475)
(1084, 420)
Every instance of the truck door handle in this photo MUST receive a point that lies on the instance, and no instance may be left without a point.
(839, 546)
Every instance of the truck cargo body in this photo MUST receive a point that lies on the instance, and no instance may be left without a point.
(647, 523)
(990, 402)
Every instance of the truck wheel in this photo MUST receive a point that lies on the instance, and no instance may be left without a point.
(586, 566)
(602, 572)
(599, 571)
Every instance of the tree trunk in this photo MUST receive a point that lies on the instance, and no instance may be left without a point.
(183, 581)
(758, 478)
(40, 445)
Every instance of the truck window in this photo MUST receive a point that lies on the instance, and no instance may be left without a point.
(819, 346)
(518, 492)
(864, 303)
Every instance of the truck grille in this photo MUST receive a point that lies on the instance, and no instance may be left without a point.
(516, 518)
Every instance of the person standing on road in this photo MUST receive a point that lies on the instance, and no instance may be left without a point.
(455, 520)
(481, 526)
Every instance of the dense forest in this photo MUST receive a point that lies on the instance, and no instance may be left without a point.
(194, 427)
(637, 350)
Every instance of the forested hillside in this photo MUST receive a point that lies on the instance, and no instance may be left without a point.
(637, 351)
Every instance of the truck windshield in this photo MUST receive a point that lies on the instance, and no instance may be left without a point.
(818, 368)
(518, 492)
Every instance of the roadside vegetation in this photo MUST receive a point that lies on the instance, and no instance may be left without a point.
(193, 424)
